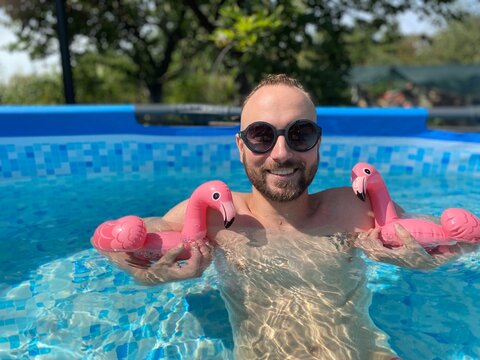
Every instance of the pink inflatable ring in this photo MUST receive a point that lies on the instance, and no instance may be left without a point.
(456, 225)
(129, 233)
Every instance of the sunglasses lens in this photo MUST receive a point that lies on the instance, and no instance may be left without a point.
(260, 137)
(303, 135)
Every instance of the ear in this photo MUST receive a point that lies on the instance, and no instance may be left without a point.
(240, 146)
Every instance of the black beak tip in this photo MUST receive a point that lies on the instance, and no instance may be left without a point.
(361, 196)
(229, 223)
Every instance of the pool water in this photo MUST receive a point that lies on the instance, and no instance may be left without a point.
(60, 299)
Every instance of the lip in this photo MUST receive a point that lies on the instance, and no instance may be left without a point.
(295, 170)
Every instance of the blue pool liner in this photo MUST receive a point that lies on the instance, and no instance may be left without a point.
(65, 120)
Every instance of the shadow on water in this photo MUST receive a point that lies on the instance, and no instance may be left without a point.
(209, 306)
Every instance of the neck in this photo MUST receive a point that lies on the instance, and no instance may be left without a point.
(276, 214)
(382, 205)
(194, 226)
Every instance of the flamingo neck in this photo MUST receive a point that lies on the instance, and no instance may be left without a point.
(382, 205)
(195, 222)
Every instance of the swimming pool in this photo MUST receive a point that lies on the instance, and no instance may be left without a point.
(60, 299)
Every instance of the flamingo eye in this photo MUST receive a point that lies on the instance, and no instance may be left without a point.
(367, 171)
(216, 196)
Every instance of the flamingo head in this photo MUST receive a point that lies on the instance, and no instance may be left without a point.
(363, 174)
(217, 195)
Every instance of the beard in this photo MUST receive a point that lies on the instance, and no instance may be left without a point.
(285, 190)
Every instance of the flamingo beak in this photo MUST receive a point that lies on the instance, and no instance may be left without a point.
(228, 212)
(359, 186)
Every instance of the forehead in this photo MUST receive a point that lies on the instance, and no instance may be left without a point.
(278, 105)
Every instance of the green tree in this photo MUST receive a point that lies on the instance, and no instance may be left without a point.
(241, 38)
(107, 78)
(367, 45)
(305, 38)
(99, 79)
(201, 87)
(147, 32)
(32, 89)
(457, 43)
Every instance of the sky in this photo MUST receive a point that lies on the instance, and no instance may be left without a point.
(20, 63)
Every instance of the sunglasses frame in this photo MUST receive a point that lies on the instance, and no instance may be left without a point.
(277, 132)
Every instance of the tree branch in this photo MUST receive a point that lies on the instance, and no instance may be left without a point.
(202, 18)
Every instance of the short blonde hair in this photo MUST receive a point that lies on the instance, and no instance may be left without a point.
(278, 79)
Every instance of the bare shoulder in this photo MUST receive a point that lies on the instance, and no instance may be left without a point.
(177, 213)
(240, 201)
(343, 208)
(343, 192)
(171, 221)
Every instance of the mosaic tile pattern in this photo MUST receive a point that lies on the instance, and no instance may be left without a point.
(83, 307)
(28, 158)
(401, 155)
(114, 155)
(99, 309)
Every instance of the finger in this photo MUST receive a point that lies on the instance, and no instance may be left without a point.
(374, 234)
(204, 248)
(374, 242)
(362, 236)
(369, 240)
(195, 258)
(371, 234)
(359, 239)
(207, 254)
(407, 239)
(171, 255)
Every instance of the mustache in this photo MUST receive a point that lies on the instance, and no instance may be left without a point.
(287, 164)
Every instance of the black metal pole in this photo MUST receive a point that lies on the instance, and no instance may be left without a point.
(65, 52)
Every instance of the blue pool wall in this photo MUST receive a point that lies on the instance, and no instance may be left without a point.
(37, 141)
(31, 121)
(21, 121)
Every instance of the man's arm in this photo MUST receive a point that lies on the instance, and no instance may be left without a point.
(166, 269)
(411, 254)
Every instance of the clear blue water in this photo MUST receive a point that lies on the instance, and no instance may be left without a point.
(60, 299)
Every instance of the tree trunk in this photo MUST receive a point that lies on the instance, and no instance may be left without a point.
(156, 92)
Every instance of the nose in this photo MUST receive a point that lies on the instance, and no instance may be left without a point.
(281, 151)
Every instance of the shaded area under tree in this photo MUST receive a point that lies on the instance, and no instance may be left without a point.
(417, 85)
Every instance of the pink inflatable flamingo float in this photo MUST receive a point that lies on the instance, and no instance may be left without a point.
(456, 225)
(129, 233)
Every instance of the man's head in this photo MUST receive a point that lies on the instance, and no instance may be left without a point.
(284, 170)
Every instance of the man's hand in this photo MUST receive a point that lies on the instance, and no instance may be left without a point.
(411, 254)
(168, 269)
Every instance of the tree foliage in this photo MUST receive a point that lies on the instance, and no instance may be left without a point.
(32, 89)
(239, 39)
(367, 45)
(99, 79)
(107, 79)
(457, 43)
(305, 38)
(147, 32)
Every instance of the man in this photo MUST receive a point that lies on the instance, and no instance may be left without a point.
(292, 278)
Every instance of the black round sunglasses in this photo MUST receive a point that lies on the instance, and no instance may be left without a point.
(300, 135)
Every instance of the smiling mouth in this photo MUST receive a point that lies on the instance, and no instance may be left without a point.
(282, 171)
